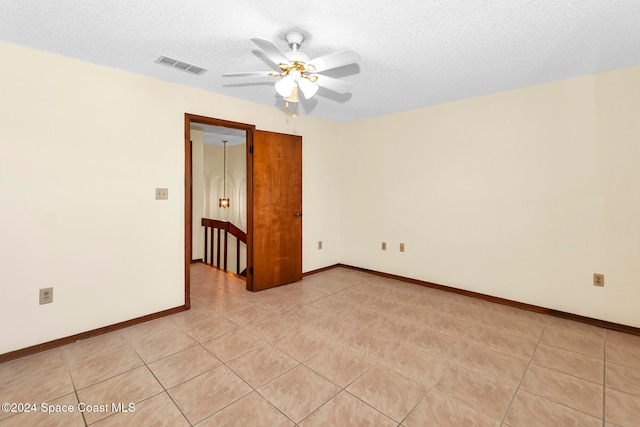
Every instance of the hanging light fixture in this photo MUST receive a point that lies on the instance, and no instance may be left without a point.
(224, 201)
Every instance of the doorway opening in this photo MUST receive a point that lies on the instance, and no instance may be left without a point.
(207, 224)
(219, 197)
(273, 205)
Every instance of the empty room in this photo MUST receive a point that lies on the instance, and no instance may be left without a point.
(320, 214)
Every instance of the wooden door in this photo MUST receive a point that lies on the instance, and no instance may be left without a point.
(275, 250)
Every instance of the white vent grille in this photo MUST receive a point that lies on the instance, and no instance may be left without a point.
(183, 66)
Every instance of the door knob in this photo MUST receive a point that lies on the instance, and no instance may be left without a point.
(298, 214)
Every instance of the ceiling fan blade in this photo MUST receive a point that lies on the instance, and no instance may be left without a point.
(249, 74)
(334, 60)
(271, 51)
(332, 84)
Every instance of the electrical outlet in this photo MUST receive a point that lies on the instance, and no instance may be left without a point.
(401, 247)
(46, 296)
(162, 193)
(384, 246)
(598, 279)
(319, 244)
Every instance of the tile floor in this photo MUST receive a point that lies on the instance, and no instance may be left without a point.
(340, 348)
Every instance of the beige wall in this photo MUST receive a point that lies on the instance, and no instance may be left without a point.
(521, 195)
(197, 186)
(82, 148)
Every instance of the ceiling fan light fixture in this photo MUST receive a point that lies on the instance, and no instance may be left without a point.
(293, 97)
(308, 89)
(297, 72)
(285, 86)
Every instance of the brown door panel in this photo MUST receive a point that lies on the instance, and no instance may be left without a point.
(277, 209)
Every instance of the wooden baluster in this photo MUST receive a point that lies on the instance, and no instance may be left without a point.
(238, 255)
(225, 249)
(206, 232)
(218, 254)
(211, 246)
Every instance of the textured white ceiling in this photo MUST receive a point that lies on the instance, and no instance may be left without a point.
(414, 52)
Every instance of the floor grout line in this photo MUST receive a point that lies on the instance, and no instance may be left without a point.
(502, 422)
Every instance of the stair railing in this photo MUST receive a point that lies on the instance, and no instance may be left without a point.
(213, 240)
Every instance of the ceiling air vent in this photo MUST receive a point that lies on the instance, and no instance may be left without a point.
(180, 65)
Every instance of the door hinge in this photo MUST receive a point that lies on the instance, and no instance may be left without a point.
(251, 149)
(250, 270)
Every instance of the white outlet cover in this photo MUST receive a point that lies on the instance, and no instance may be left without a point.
(162, 193)
(46, 295)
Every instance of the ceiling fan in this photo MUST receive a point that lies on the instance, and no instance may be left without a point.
(297, 72)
